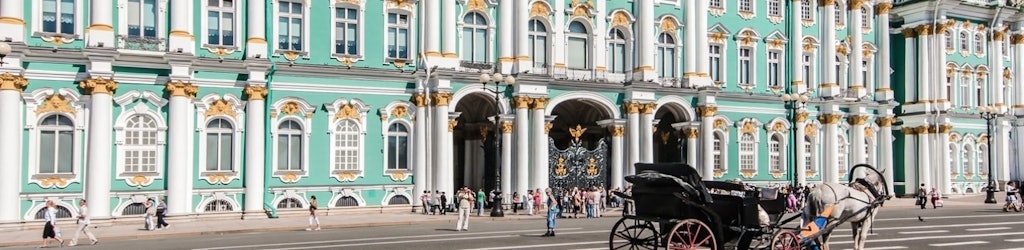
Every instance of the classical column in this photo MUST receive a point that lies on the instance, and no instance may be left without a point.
(829, 86)
(442, 142)
(884, 91)
(691, 146)
(1003, 153)
(701, 38)
(690, 53)
(924, 164)
(943, 97)
(633, 131)
(255, 167)
(645, 40)
(857, 125)
(522, 131)
(647, 132)
(97, 184)
(12, 22)
(599, 49)
(885, 149)
(505, 32)
(856, 50)
(923, 71)
(944, 182)
(522, 20)
(910, 53)
(617, 132)
(256, 44)
(707, 141)
(11, 87)
(446, 173)
(540, 144)
(831, 149)
(181, 36)
(100, 31)
(800, 144)
(996, 59)
(431, 16)
(558, 52)
(451, 32)
(419, 171)
(179, 186)
(910, 178)
(1017, 40)
(506, 159)
(796, 53)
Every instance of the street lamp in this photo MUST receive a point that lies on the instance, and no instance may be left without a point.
(5, 49)
(498, 80)
(989, 113)
(794, 102)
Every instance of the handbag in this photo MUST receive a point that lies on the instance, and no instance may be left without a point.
(919, 202)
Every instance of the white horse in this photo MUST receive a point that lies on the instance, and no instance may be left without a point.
(851, 202)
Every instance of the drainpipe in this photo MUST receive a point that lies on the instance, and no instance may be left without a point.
(266, 144)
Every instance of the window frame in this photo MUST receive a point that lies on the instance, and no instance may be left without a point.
(611, 42)
(866, 17)
(965, 88)
(807, 11)
(967, 158)
(388, 134)
(205, 30)
(808, 64)
(37, 21)
(810, 154)
(720, 57)
(964, 42)
(948, 38)
(979, 44)
(410, 48)
(982, 159)
(533, 36)
(276, 15)
(486, 28)
(720, 152)
(121, 130)
(57, 130)
(844, 149)
(775, 8)
(289, 132)
(661, 48)
(777, 152)
(954, 154)
(745, 77)
(36, 111)
(359, 33)
(337, 151)
(160, 23)
(746, 6)
(840, 12)
(234, 117)
(747, 152)
(774, 79)
(587, 37)
(291, 109)
(359, 110)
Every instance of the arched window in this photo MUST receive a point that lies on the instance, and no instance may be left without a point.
(219, 145)
(952, 158)
(56, 145)
(346, 150)
(218, 206)
(844, 150)
(134, 209)
(398, 200)
(967, 159)
(979, 43)
(983, 159)
(865, 17)
(965, 89)
(616, 51)
(806, 10)
(840, 10)
(538, 43)
(948, 35)
(809, 156)
(577, 50)
(142, 18)
(398, 147)
(289, 146)
(775, 154)
(719, 161)
(748, 155)
(666, 55)
(474, 38)
(965, 46)
(59, 16)
(289, 203)
(62, 212)
(346, 201)
(140, 146)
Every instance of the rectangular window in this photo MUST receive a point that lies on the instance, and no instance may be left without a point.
(805, 10)
(773, 8)
(212, 150)
(399, 145)
(865, 18)
(666, 62)
(289, 24)
(538, 50)
(981, 94)
(398, 36)
(346, 22)
(808, 72)
(616, 60)
(775, 157)
(965, 91)
(142, 18)
(578, 57)
(716, 62)
(226, 152)
(717, 4)
(220, 24)
(718, 153)
(809, 154)
(59, 16)
(746, 6)
(745, 63)
(774, 69)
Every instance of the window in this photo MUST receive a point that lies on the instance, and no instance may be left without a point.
(967, 158)
(134, 209)
(59, 16)
(398, 36)
(220, 22)
(616, 51)
(806, 10)
(865, 17)
(579, 42)
(748, 155)
(775, 154)
(666, 55)
(964, 44)
(745, 63)
(290, 25)
(62, 212)
(774, 69)
(965, 89)
(140, 144)
(865, 74)
(346, 21)
(142, 18)
(983, 159)
(289, 203)
(289, 146)
(980, 97)
(474, 38)
(56, 145)
(844, 150)
(949, 88)
(346, 201)
(346, 146)
(809, 154)
(808, 64)
(398, 147)
(538, 43)
(218, 206)
(775, 8)
(979, 43)
(219, 145)
(952, 158)
(398, 200)
(949, 40)
(746, 6)
(719, 160)
(716, 4)
(716, 62)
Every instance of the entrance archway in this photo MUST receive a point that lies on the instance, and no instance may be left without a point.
(578, 150)
(474, 153)
(669, 142)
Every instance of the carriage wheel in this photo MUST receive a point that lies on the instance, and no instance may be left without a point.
(785, 240)
(691, 234)
(629, 233)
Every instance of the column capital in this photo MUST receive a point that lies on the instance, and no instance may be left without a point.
(923, 30)
(617, 130)
(451, 125)
(1017, 39)
(802, 116)
(691, 133)
(539, 102)
(441, 99)
(98, 85)
(255, 92)
(10, 81)
(419, 99)
(885, 121)
(830, 118)
(908, 131)
(944, 26)
(826, 3)
(883, 8)
(180, 88)
(854, 5)
(707, 111)
(945, 129)
(997, 35)
(631, 107)
(521, 102)
(547, 127)
(857, 120)
(648, 108)
(506, 127)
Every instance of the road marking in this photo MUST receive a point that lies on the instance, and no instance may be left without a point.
(933, 237)
(1012, 249)
(849, 235)
(1013, 240)
(881, 248)
(431, 240)
(380, 238)
(544, 245)
(925, 232)
(945, 217)
(936, 226)
(987, 229)
(959, 243)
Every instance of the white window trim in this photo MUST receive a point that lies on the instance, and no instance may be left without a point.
(589, 35)
(549, 41)
(409, 149)
(397, 191)
(275, 9)
(119, 128)
(161, 24)
(723, 167)
(812, 70)
(208, 198)
(238, 126)
(954, 160)
(718, 11)
(675, 52)
(981, 160)
(867, 17)
(338, 193)
(783, 153)
(332, 122)
(979, 51)
(204, 31)
(753, 169)
(843, 159)
(745, 14)
(841, 15)
(627, 58)
(360, 33)
(406, 10)
(965, 41)
(811, 7)
(37, 22)
(751, 69)
(289, 194)
(724, 81)
(388, 118)
(490, 29)
(79, 119)
(304, 116)
(782, 10)
(812, 169)
(964, 87)
(950, 45)
(780, 76)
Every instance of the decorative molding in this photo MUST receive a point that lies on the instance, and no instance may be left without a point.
(255, 92)
(400, 175)
(908, 32)
(98, 85)
(830, 118)
(691, 133)
(441, 99)
(521, 102)
(52, 182)
(577, 132)
(56, 103)
(539, 9)
(802, 116)
(617, 131)
(883, 8)
(220, 107)
(885, 121)
(857, 119)
(824, 3)
(707, 111)
(347, 111)
(539, 103)
(648, 108)
(10, 81)
(547, 127)
(180, 88)
(506, 127)
(399, 112)
(1017, 39)
(631, 107)
(419, 99)
(451, 125)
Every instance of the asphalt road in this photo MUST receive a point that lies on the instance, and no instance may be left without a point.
(977, 227)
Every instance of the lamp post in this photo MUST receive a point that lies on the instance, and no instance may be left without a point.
(498, 80)
(989, 113)
(794, 103)
(5, 49)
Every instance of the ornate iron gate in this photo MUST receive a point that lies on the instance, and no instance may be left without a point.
(576, 166)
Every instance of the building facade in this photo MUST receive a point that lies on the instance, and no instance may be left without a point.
(227, 107)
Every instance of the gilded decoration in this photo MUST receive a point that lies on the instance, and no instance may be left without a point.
(923, 30)
(748, 127)
(883, 8)
(717, 36)
(522, 102)
(577, 132)
(824, 3)
(665, 137)
(810, 130)
(668, 25)
(452, 124)
(707, 111)
(290, 178)
(180, 88)
(98, 85)
(10, 81)
(776, 174)
(50, 182)
(290, 108)
(747, 173)
(778, 127)
(748, 37)
(398, 176)
(997, 35)
(400, 3)
(538, 9)
(802, 116)
(691, 133)
(855, 4)
(346, 176)
(631, 107)
(944, 26)
(869, 133)
(719, 173)
(218, 178)
(539, 103)
(830, 118)
(719, 123)
(399, 112)
(620, 19)
(841, 49)
(857, 119)
(347, 111)
(484, 130)
(56, 103)
(1006, 74)
(581, 8)
(617, 131)
(255, 92)
(475, 5)
(908, 32)
(506, 127)
(547, 127)
(945, 128)
(441, 99)
(885, 121)
(420, 100)
(220, 107)
(592, 167)
(808, 45)
(1017, 39)
(560, 169)
(648, 108)
(953, 138)
(138, 180)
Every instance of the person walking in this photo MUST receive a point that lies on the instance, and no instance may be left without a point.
(425, 200)
(552, 204)
(50, 228)
(922, 196)
(150, 213)
(161, 212)
(444, 204)
(83, 225)
(435, 203)
(479, 202)
(312, 214)
(528, 197)
(934, 194)
(515, 202)
(465, 200)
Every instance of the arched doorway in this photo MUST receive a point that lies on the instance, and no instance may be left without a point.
(578, 150)
(669, 142)
(474, 156)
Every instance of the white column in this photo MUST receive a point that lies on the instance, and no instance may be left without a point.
(97, 184)
(431, 16)
(910, 53)
(885, 149)
(1017, 40)
(857, 154)
(691, 146)
(856, 50)
(558, 41)
(11, 87)
(539, 144)
(707, 141)
(1003, 155)
(179, 186)
(800, 144)
(419, 171)
(647, 132)
(470, 151)
(938, 64)
(522, 20)
(506, 160)
(1017, 141)
(12, 22)
(645, 39)
(831, 149)
(101, 13)
(701, 38)
(924, 164)
(442, 171)
(884, 91)
(796, 54)
(446, 172)
(598, 47)
(996, 51)
(451, 33)
(944, 181)
(506, 28)
(522, 131)
(256, 45)
(633, 135)
(255, 168)
(617, 132)
(827, 24)
(690, 54)
(923, 72)
(181, 35)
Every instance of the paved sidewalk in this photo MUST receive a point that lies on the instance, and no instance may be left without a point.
(953, 200)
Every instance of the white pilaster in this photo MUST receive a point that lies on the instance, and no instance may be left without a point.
(12, 22)
(882, 67)
(101, 13)
(97, 185)
(539, 130)
(598, 46)
(690, 53)
(938, 65)
(1017, 41)
(885, 149)
(923, 71)
(910, 53)
(420, 145)
(506, 30)
(796, 54)
(451, 32)
(11, 87)
(178, 184)
(856, 56)
(255, 168)
(857, 154)
(701, 38)
(1003, 153)
(924, 164)
(691, 146)
(442, 171)
(506, 160)
(943, 182)
(996, 59)
(1018, 172)
(181, 36)
(617, 132)
(256, 44)
(558, 50)
(523, 146)
(829, 86)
